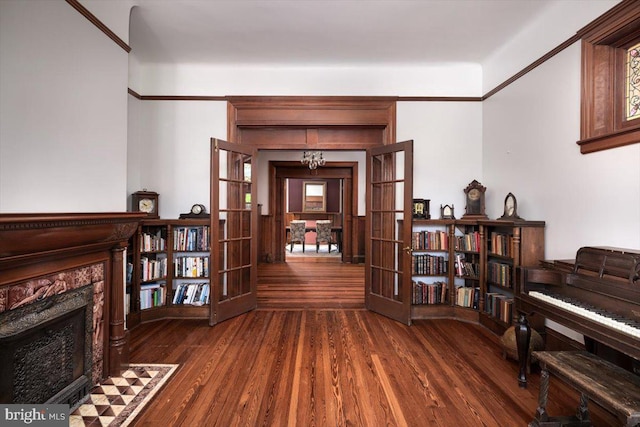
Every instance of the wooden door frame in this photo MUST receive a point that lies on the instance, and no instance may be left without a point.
(246, 114)
(279, 171)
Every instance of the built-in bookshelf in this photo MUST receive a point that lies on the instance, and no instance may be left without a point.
(467, 245)
(191, 265)
(431, 267)
(508, 245)
(471, 264)
(430, 262)
(168, 273)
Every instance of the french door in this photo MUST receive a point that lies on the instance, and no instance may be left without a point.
(234, 226)
(388, 224)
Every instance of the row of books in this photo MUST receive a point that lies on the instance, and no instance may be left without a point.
(466, 268)
(429, 293)
(152, 269)
(153, 242)
(152, 295)
(430, 240)
(467, 297)
(499, 306)
(425, 264)
(499, 274)
(191, 238)
(192, 293)
(191, 266)
(501, 244)
(470, 242)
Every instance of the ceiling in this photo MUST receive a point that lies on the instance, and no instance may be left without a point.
(327, 32)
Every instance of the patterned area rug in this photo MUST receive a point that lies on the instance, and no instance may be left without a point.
(118, 400)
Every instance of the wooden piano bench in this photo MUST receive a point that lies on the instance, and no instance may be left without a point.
(610, 386)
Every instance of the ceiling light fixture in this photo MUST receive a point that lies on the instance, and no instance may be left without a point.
(313, 159)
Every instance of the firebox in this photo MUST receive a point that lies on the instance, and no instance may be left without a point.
(46, 350)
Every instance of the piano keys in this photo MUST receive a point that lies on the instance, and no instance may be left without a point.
(590, 312)
(596, 295)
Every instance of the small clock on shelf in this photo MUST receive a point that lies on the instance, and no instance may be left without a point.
(145, 201)
(510, 207)
(446, 212)
(474, 196)
(421, 209)
(198, 210)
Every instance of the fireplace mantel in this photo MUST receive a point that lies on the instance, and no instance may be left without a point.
(35, 246)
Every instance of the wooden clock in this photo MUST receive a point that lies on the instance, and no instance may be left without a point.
(145, 201)
(510, 207)
(474, 196)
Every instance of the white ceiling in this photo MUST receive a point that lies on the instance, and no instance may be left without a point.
(328, 32)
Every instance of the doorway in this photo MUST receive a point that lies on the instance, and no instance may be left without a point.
(345, 219)
(309, 123)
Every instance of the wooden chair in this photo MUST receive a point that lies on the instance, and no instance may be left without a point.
(324, 234)
(297, 231)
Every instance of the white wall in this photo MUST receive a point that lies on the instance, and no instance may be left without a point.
(529, 148)
(447, 149)
(207, 80)
(63, 109)
(558, 22)
(169, 150)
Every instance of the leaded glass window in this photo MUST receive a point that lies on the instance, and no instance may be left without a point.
(632, 99)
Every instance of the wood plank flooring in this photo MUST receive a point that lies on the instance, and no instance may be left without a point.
(310, 285)
(315, 365)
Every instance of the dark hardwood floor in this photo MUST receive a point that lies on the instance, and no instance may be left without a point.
(317, 363)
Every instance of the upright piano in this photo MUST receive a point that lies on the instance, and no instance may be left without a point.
(596, 295)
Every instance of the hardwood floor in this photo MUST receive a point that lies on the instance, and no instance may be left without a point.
(315, 365)
(310, 283)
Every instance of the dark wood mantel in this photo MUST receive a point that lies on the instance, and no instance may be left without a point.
(35, 245)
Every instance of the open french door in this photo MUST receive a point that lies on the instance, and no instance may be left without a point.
(234, 225)
(388, 224)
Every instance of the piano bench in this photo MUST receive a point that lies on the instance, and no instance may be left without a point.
(613, 388)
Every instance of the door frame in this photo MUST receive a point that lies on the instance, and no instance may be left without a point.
(340, 123)
(279, 171)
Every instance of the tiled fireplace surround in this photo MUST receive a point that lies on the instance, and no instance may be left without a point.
(52, 265)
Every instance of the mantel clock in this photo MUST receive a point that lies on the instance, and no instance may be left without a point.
(145, 201)
(474, 196)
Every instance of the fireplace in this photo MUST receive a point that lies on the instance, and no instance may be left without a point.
(46, 350)
(61, 304)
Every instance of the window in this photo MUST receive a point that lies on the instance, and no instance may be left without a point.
(610, 100)
(632, 83)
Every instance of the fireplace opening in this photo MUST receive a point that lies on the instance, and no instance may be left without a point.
(46, 350)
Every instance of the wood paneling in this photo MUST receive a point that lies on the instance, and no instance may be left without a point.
(603, 123)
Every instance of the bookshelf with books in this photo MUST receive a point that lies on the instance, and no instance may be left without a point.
(191, 244)
(508, 244)
(468, 268)
(168, 270)
(478, 267)
(431, 268)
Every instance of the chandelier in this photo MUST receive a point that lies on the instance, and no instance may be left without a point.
(313, 159)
